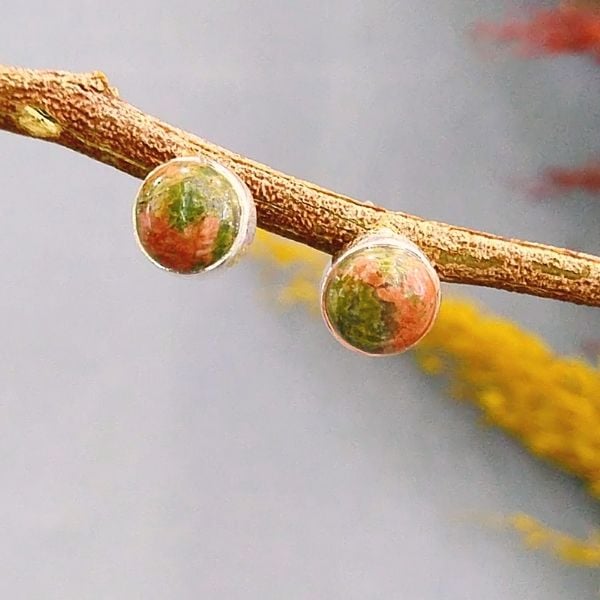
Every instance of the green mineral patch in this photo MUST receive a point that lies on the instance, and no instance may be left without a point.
(186, 204)
(224, 240)
(358, 314)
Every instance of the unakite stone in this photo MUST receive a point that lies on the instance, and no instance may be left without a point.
(381, 296)
(192, 215)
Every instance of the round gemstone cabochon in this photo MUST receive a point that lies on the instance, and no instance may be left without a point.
(192, 214)
(381, 296)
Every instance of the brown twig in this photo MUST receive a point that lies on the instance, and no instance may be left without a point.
(84, 113)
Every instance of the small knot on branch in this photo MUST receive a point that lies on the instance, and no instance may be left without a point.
(99, 82)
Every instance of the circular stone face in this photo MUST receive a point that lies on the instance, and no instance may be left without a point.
(380, 300)
(192, 214)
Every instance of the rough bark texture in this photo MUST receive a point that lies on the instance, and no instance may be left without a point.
(84, 113)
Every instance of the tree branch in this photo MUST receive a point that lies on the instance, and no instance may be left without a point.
(84, 113)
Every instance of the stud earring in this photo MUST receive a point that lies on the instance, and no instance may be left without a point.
(381, 295)
(192, 215)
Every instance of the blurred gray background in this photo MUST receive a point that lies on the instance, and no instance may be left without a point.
(163, 438)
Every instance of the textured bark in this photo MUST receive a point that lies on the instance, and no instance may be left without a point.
(84, 113)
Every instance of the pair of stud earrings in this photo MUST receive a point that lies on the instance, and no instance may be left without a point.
(380, 296)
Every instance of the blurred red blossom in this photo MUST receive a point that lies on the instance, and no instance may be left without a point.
(571, 28)
(555, 180)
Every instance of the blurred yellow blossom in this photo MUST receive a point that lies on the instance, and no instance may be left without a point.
(302, 268)
(583, 553)
(550, 403)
